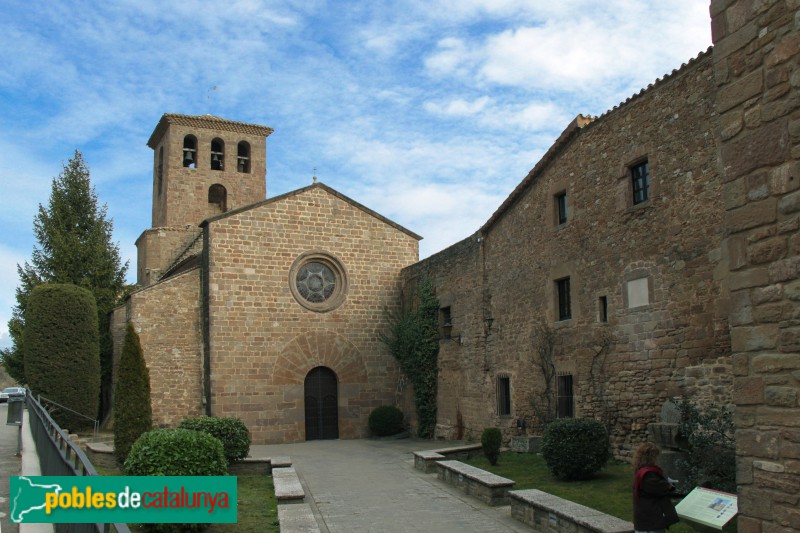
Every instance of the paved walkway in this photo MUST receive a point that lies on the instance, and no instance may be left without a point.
(356, 486)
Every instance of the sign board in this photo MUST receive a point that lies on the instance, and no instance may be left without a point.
(708, 507)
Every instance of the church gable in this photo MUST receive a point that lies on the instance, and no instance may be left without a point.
(311, 264)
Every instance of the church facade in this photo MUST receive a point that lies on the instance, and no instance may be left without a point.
(270, 309)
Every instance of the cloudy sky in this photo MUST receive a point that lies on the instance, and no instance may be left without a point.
(429, 112)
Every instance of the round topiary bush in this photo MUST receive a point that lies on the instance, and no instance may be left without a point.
(176, 452)
(386, 420)
(231, 432)
(575, 448)
(491, 440)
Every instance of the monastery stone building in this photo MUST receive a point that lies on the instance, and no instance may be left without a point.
(653, 252)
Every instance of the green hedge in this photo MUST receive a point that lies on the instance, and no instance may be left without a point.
(491, 440)
(231, 432)
(62, 352)
(386, 420)
(176, 452)
(575, 448)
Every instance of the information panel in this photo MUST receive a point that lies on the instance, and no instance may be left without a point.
(708, 507)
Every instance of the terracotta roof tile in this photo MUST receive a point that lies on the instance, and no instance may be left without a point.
(206, 122)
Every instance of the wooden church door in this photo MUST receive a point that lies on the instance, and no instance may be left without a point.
(322, 404)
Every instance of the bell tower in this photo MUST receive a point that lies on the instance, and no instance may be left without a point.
(202, 166)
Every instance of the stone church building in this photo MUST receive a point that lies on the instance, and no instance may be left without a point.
(653, 252)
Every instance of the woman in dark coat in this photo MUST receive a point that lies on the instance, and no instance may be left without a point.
(653, 511)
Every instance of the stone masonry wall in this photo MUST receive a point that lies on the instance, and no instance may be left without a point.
(167, 318)
(757, 67)
(263, 342)
(624, 369)
(157, 248)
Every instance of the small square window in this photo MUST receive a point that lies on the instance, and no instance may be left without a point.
(562, 211)
(638, 292)
(503, 395)
(602, 311)
(640, 178)
(564, 305)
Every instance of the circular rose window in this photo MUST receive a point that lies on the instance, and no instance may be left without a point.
(318, 281)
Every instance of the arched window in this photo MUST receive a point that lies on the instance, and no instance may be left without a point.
(160, 169)
(243, 157)
(217, 154)
(190, 151)
(218, 198)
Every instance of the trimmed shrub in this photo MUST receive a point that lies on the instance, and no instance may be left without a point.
(575, 448)
(386, 420)
(133, 414)
(62, 351)
(231, 432)
(176, 452)
(491, 440)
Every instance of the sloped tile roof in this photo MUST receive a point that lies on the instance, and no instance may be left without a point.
(205, 122)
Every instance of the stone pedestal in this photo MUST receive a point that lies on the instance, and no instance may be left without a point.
(526, 443)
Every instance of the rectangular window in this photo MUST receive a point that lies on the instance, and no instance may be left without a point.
(603, 309)
(446, 322)
(564, 398)
(638, 292)
(640, 177)
(564, 307)
(503, 395)
(561, 208)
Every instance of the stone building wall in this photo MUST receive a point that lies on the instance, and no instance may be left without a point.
(263, 342)
(666, 251)
(157, 249)
(757, 66)
(167, 318)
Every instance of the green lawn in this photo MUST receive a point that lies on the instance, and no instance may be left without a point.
(257, 509)
(609, 491)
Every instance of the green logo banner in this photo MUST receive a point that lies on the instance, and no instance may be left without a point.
(127, 499)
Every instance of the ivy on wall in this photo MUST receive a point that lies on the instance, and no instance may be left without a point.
(414, 341)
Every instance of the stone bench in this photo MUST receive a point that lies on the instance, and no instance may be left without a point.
(548, 513)
(487, 487)
(426, 460)
(259, 465)
(297, 518)
(287, 486)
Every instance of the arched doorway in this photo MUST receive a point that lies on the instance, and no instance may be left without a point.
(322, 404)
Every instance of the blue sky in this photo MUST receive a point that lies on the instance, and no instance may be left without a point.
(429, 112)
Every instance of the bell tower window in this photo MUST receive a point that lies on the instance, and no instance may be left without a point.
(217, 154)
(189, 151)
(243, 157)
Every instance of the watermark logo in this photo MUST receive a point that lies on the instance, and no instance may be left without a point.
(109, 499)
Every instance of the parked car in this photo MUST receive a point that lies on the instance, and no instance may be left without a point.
(9, 391)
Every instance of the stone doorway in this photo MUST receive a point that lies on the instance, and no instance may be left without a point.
(322, 404)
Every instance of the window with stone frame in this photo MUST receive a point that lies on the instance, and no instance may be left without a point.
(217, 154)
(189, 152)
(561, 208)
(243, 157)
(563, 299)
(446, 322)
(565, 400)
(602, 309)
(640, 182)
(504, 395)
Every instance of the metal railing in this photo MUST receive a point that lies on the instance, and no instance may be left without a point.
(59, 456)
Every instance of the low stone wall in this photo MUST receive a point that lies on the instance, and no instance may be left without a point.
(487, 487)
(426, 460)
(551, 514)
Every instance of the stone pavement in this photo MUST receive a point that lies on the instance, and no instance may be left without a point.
(367, 485)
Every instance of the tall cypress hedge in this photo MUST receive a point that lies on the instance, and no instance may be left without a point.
(133, 414)
(62, 352)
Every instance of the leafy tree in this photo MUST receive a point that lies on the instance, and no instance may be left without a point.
(133, 414)
(414, 342)
(62, 355)
(74, 246)
(707, 436)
